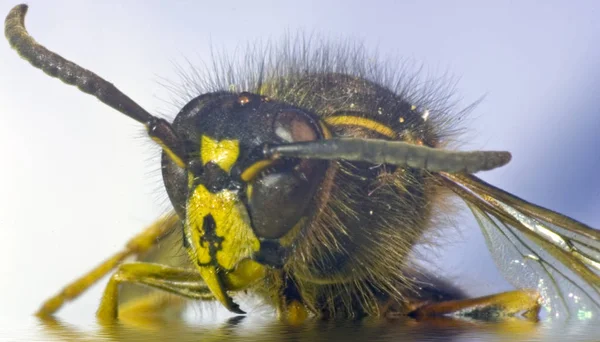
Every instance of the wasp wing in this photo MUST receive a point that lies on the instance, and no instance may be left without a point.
(535, 247)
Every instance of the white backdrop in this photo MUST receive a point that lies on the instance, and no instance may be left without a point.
(77, 179)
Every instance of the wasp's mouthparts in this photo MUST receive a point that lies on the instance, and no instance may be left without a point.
(215, 281)
(245, 273)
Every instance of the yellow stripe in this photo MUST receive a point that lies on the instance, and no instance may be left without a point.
(348, 120)
(169, 153)
(253, 170)
(249, 190)
(326, 132)
(290, 236)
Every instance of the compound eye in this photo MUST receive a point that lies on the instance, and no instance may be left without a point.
(277, 203)
(281, 194)
(293, 125)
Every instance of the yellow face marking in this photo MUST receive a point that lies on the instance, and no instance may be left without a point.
(218, 229)
(169, 153)
(223, 153)
(231, 237)
(349, 120)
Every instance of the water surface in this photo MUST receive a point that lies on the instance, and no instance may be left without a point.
(260, 328)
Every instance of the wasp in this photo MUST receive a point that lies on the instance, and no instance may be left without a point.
(308, 181)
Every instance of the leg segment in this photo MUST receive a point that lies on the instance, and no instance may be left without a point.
(139, 244)
(521, 302)
(179, 281)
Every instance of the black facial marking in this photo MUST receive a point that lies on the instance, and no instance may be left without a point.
(210, 240)
(195, 166)
(214, 178)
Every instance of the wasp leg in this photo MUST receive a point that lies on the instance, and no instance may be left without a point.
(153, 302)
(139, 244)
(521, 302)
(175, 280)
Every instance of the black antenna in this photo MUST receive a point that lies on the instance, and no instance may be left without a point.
(398, 153)
(88, 82)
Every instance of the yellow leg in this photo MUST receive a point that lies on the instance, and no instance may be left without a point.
(521, 302)
(296, 313)
(152, 302)
(139, 244)
(179, 281)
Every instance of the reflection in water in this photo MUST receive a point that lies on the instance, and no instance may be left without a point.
(268, 329)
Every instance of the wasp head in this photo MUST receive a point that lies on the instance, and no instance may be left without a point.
(242, 210)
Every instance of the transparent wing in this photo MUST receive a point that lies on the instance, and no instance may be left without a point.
(536, 247)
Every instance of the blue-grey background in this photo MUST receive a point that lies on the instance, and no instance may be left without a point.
(77, 179)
